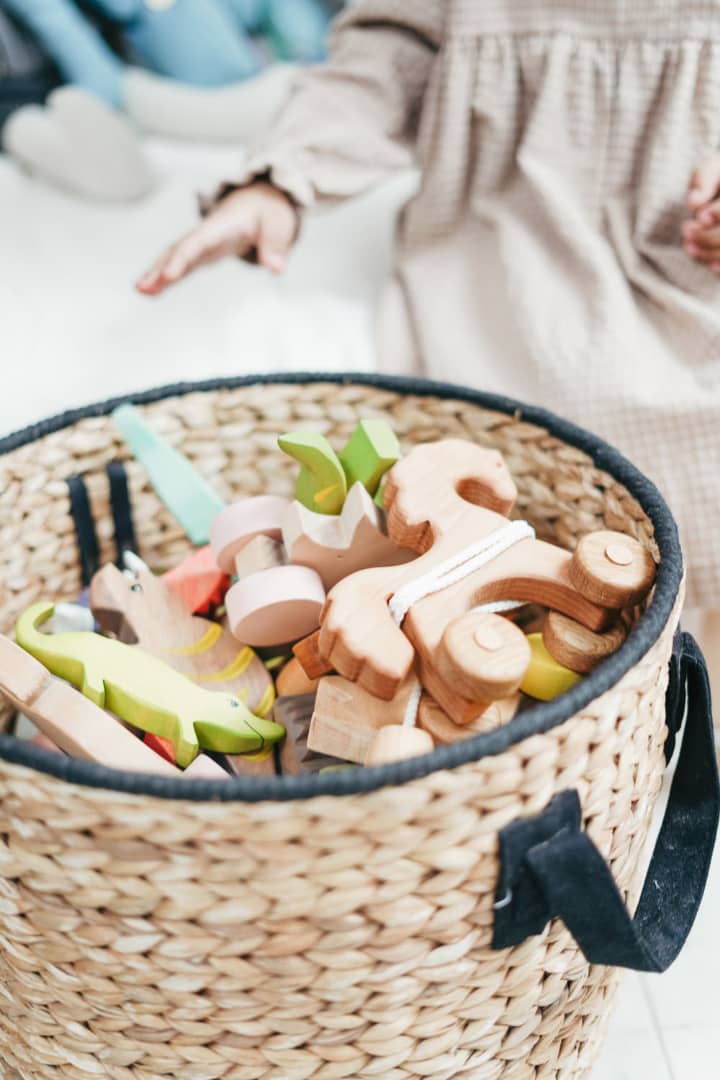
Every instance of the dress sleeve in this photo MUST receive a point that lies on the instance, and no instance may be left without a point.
(353, 120)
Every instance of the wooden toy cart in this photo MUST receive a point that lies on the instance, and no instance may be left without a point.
(458, 914)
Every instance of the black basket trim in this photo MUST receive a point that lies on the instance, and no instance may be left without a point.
(537, 720)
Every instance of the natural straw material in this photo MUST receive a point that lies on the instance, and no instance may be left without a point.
(145, 937)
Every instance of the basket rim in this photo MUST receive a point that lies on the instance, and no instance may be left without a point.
(536, 720)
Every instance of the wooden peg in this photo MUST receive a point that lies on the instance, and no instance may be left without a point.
(321, 485)
(295, 715)
(307, 653)
(395, 742)
(482, 658)
(436, 722)
(241, 522)
(144, 611)
(442, 499)
(276, 606)
(371, 450)
(205, 768)
(187, 495)
(198, 581)
(545, 678)
(262, 553)
(612, 569)
(293, 681)
(144, 691)
(346, 717)
(73, 723)
(340, 545)
(576, 647)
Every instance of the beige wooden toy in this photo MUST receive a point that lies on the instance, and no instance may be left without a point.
(142, 610)
(396, 742)
(436, 722)
(292, 680)
(307, 653)
(261, 553)
(295, 715)
(277, 606)
(449, 501)
(576, 647)
(260, 764)
(241, 522)
(337, 546)
(346, 718)
(73, 723)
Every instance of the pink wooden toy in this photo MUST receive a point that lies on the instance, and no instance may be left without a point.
(237, 524)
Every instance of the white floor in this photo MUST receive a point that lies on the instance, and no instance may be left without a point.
(73, 331)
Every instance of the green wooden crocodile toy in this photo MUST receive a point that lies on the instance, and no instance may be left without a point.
(146, 692)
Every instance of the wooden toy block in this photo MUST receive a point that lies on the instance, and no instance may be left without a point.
(545, 679)
(276, 606)
(292, 680)
(241, 522)
(346, 717)
(73, 723)
(262, 553)
(612, 569)
(205, 768)
(576, 647)
(187, 495)
(198, 581)
(260, 764)
(307, 653)
(295, 715)
(144, 691)
(436, 722)
(143, 610)
(395, 742)
(443, 499)
(482, 658)
(321, 485)
(340, 545)
(371, 450)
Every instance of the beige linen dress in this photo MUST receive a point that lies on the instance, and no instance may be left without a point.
(542, 256)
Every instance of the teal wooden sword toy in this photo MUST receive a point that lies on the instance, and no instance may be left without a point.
(146, 692)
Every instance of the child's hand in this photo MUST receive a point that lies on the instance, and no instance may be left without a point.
(702, 234)
(258, 219)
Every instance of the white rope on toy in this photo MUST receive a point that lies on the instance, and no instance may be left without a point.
(447, 573)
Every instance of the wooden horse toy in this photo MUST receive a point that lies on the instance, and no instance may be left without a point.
(449, 502)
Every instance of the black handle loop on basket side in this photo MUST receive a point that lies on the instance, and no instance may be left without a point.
(550, 868)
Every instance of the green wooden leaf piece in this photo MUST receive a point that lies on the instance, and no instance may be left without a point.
(188, 497)
(321, 485)
(146, 692)
(371, 450)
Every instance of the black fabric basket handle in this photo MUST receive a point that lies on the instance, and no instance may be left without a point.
(550, 868)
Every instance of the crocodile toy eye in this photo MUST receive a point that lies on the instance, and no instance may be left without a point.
(234, 703)
(137, 587)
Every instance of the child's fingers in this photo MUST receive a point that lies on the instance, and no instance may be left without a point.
(278, 227)
(709, 256)
(702, 236)
(704, 183)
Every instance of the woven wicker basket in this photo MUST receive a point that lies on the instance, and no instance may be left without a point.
(350, 932)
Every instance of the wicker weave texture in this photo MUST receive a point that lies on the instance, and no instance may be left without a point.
(325, 938)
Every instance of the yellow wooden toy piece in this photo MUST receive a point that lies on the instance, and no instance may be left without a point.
(545, 678)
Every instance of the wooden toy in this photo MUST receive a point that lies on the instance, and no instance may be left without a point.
(447, 501)
(44, 743)
(241, 522)
(307, 654)
(72, 722)
(70, 617)
(346, 717)
(545, 678)
(205, 768)
(187, 495)
(481, 658)
(436, 722)
(198, 581)
(262, 553)
(340, 545)
(395, 742)
(612, 569)
(142, 610)
(292, 680)
(295, 715)
(371, 450)
(163, 747)
(261, 764)
(321, 485)
(576, 647)
(276, 606)
(144, 691)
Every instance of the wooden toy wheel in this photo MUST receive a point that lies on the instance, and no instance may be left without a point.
(576, 647)
(483, 656)
(612, 569)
